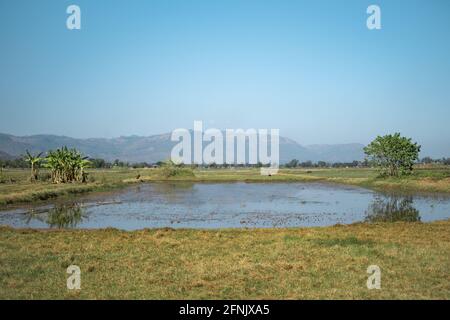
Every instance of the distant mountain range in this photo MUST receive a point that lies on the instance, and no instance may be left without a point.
(158, 147)
(5, 156)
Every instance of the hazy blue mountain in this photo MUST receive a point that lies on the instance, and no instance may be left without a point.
(338, 152)
(157, 147)
(5, 156)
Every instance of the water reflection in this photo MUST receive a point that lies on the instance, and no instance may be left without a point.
(173, 191)
(230, 205)
(60, 216)
(392, 208)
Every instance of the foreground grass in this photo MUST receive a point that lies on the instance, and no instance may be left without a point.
(16, 187)
(310, 263)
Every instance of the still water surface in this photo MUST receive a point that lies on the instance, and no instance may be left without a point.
(229, 205)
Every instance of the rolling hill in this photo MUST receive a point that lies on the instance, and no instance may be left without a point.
(157, 147)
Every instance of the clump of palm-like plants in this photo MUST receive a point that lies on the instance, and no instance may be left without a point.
(35, 161)
(67, 165)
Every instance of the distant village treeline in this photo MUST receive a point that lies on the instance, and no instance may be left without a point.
(103, 164)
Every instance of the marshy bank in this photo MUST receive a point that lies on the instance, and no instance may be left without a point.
(212, 205)
(15, 187)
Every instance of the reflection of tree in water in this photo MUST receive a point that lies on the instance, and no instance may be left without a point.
(60, 216)
(392, 208)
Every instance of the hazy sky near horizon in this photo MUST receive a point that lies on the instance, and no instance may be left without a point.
(310, 68)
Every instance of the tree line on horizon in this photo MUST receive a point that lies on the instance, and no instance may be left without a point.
(393, 154)
(98, 163)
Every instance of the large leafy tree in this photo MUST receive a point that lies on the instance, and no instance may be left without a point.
(394, 154)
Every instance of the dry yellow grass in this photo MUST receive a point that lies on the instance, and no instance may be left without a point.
(308, 263)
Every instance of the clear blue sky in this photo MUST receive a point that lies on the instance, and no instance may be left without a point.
(310, 68)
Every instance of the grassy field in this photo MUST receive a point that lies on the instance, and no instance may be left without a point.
(308, 263)
(15, 186)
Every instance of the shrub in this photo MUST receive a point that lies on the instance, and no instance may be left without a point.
(171, 170)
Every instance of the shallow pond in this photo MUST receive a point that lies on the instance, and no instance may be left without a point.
(229, 205)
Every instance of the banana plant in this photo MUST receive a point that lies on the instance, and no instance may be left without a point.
(67, 165)
(34, 161)
(83, 164)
